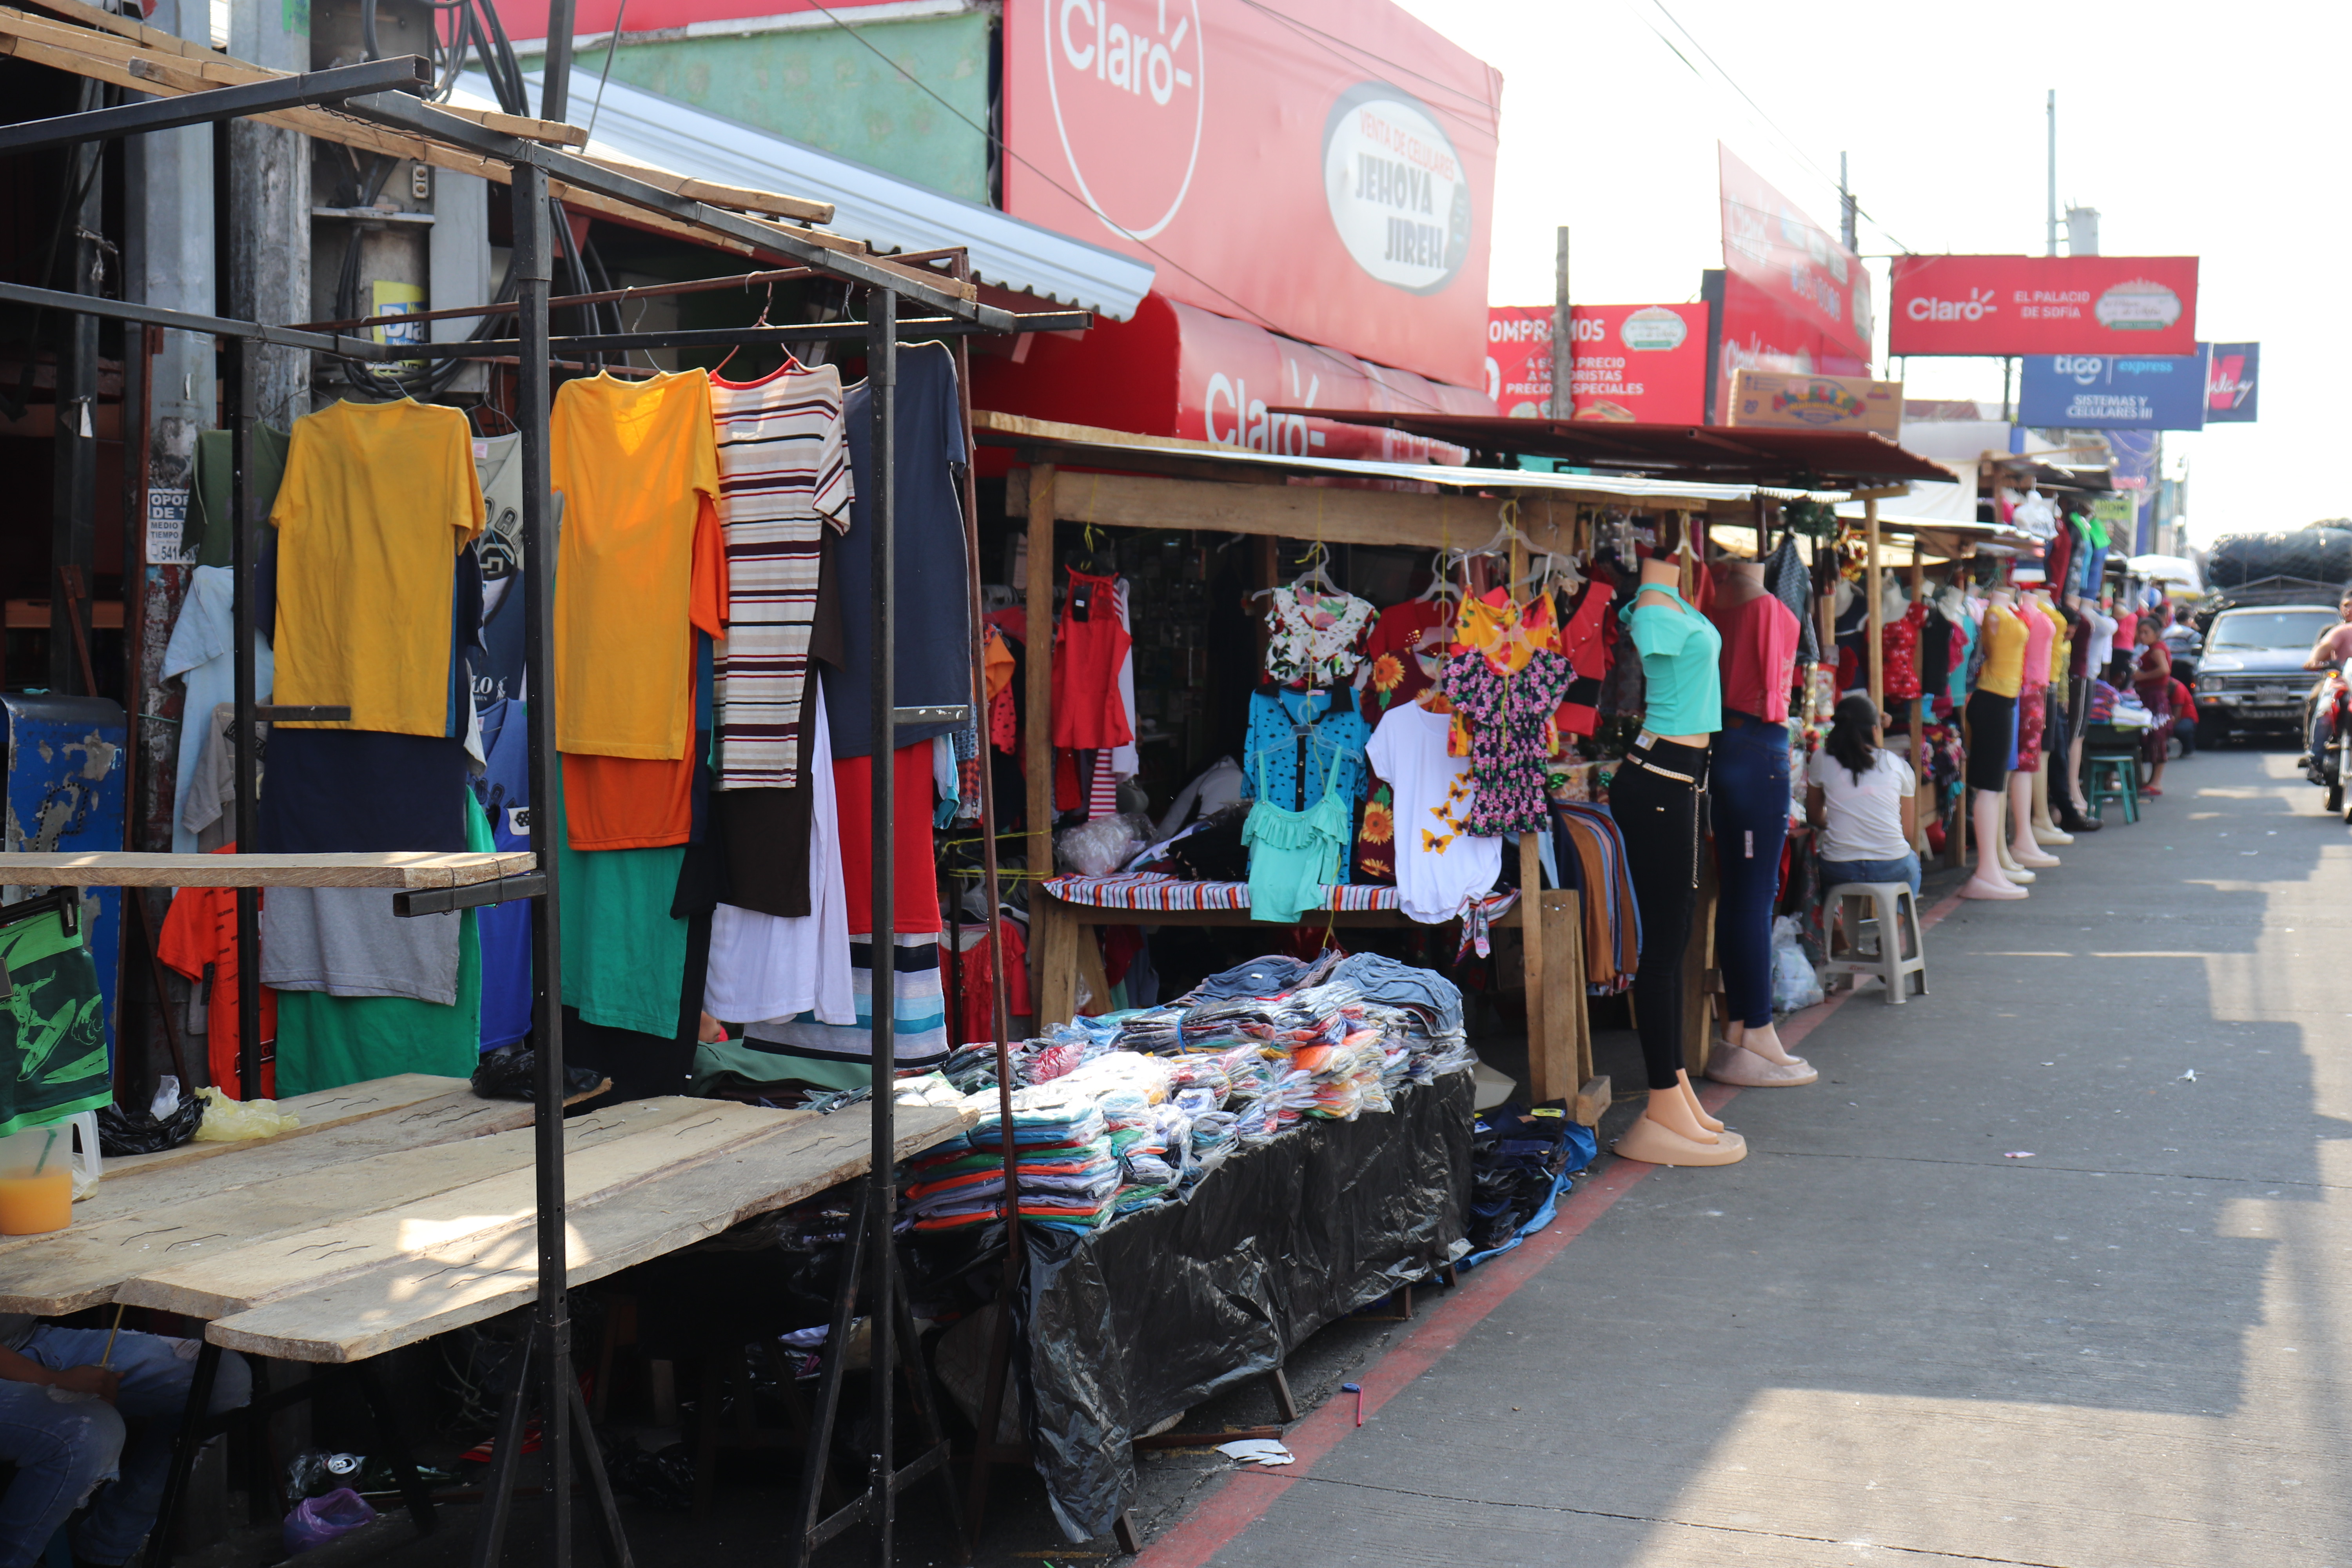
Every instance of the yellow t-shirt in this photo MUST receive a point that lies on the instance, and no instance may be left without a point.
(2005, 666)
(378, 500)
(2060, 646)
(635, 462)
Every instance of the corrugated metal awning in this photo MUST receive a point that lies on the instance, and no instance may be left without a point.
(883, 210)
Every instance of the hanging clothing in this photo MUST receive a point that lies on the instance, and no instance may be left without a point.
(503, 792)
(914, 867)
(207, 806)
(498, 464)
(199, 941)
(377, 501)
(1333, 734)
(1404, 658)
(1507, 632)
(932, 599)
(1596, 867)
(1440, 865)
(762, 967)
(1313, 639)
(637, 464)
(784, 480)
(1792, 582)
(1126, 761)
(1294, 855)
(840, 1055)
(209, 536)
(1899, 641)
(1090, 644)
(624, 951)
(1588, 640)
(202, 653)
(1511, 736)
(357, 791)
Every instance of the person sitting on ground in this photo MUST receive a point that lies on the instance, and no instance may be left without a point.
(2184, 718)
(81, 1424)
(1864, 800)
(2152, 678)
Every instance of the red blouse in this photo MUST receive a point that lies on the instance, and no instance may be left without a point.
(1760, 655)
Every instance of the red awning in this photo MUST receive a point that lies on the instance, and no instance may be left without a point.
(1791, 459)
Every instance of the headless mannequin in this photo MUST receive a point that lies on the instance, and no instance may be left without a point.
(1745, 581)
(1991, 879)
(2022, 850)
(1674, 1129)
(2046, 831)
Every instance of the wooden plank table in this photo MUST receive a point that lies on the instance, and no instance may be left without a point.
(402, 871)
(406, 1207)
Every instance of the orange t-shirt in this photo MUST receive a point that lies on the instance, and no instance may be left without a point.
(200, 934)
(635, 803)
(637, 463)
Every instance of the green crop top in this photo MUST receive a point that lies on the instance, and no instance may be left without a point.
(1679, 647)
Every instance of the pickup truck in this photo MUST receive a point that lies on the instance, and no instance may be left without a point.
(2250, 676)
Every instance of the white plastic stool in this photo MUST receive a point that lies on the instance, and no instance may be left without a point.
(1890, 908)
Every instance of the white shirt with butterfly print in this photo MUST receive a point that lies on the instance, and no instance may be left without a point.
(1438, 866)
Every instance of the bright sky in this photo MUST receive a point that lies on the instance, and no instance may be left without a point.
(2194, 131)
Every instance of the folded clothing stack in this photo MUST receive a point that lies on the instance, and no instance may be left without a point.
(1066, 1170)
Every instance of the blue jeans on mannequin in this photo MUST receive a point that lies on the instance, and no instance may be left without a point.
(1749, 802)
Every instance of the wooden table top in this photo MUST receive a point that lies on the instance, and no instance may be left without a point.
(415, 1213)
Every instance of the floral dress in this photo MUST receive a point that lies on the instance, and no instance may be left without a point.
(1511, 736)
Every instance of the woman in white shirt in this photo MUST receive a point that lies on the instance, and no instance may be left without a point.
(1864, 801)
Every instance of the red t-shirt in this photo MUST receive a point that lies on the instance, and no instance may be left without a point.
(1760, 655)
(198, 935)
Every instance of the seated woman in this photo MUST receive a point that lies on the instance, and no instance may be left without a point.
(77, 1431)
(1864, 801)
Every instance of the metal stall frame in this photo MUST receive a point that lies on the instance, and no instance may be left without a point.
(535, 161)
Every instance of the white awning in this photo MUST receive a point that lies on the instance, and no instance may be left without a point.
(887, 211)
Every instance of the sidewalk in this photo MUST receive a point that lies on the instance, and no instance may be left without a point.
(1884, 1339)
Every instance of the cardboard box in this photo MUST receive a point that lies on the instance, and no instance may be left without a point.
(1817, 401)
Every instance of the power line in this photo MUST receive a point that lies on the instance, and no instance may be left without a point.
(1341, 49)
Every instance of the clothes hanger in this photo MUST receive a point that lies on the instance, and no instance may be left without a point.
(792, 361)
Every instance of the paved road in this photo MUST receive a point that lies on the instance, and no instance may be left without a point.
(1888, 1336)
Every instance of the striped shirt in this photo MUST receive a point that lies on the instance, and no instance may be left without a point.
(783, 476)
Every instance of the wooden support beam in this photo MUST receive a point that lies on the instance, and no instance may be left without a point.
(1558, 1036)
(1546, 1077)
(1871, 584)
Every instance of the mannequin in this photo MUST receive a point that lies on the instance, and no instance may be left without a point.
(1992, 720)
(1749, 801)
(1656, 798)
(2032, 712)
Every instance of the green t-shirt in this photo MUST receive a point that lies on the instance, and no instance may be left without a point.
(326, 1042)
(624, 955)
(208, 533)
(1682, 692)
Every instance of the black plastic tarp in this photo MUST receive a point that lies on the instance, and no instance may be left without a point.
(1153, 1314)
(2319, 553)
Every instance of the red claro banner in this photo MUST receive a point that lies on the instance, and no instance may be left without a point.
(2001, 305)
(1819, 286)
(1633, 363)
(1267, 163)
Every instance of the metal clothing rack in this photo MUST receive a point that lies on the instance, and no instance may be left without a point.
(545, 1367)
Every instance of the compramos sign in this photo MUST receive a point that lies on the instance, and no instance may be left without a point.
(2003, 305)
(1272, 163)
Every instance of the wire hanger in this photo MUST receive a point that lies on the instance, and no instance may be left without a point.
(1314, 578)
(792, 361)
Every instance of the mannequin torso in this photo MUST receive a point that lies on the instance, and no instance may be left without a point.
(1661, 593)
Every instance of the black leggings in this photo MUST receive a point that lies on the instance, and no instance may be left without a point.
(1659, 820)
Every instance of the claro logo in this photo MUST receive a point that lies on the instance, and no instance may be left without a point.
(1927, 308)
(1129, 88)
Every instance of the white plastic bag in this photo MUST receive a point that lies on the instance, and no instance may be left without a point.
(1794, 984)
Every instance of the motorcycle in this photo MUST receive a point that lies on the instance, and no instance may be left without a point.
(2330, 765)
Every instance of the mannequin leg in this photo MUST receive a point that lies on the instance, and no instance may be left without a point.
(2022, 848)
(2046, 831)
(1989, 881)
(1749, 799)
(1698, 1111)
(2008, 863)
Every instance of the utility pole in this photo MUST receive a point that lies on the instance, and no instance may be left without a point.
(1563, 344)
(2052, 220)
(1847, 209)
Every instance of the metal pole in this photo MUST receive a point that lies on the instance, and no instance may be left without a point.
(882, 376)
(1563, 342)
(2053, 209)
(241, 375)
(532, 271)
(1849, 210)
(1873, 583)
(555, 86)
(73, 529)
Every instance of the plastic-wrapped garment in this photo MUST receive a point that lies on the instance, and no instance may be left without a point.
(1148, 1317)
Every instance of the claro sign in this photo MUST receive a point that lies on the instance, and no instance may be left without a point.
(2003, 305)
(1271, 165)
